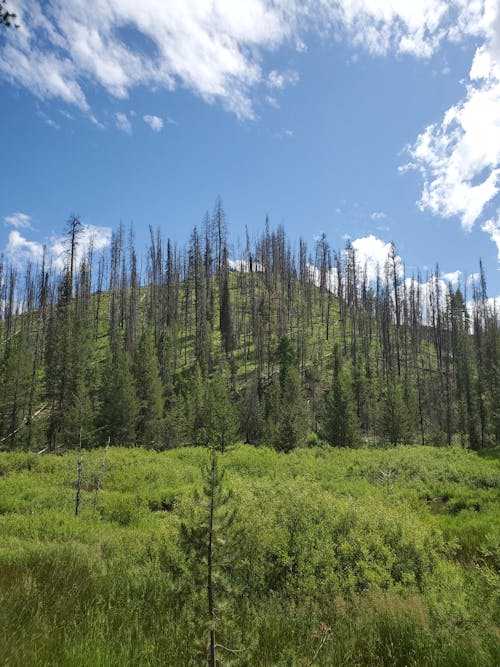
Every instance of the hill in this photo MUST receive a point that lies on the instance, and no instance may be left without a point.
(278, 348)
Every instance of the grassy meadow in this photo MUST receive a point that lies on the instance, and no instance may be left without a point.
(373, 556)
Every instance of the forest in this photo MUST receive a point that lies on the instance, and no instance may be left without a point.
(265, 343)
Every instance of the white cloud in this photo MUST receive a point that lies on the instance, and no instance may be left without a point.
(154, 122)
(492, 227)
(20, 250)
(123, 123)
(378, 215)
(278, 80)
(494, 304)
(18, 220)
(212, 47)
(272, 101)
(472, 277)
(459, 157)
(90, 236)
(429, 290)
(372, 252)
(453, 277)
(243, 265)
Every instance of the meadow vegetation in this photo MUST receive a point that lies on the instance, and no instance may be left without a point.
(390, 555)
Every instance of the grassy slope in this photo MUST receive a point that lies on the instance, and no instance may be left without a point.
(396, 549)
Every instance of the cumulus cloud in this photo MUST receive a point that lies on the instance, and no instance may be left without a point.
(459, 157)
(20, 250)
(378, 215)
(18, 220)
(123, 123)
(492, 227)
(453, 277)
(214, 48)
(372, 253)
(90, 236)
(154, 122)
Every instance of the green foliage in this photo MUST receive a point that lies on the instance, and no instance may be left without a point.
(408, 364)
(119, 403)
(15, 379)
(251, 416)
(219, 418)
(209, 552)
(340, 422)
(149, 392)
(292, 420)
(408, 577)
(393, 426)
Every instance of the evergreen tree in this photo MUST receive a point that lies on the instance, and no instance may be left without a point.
(272, 409)
(15, 382)
(119, 402)
(251, 414)
(286, 358)
(78, 425)
(393, 415)
(149, 391)
(220, 421)
(210, 552)
(291, 427)
(340, 422)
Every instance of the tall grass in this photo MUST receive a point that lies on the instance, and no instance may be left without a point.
(318, 539)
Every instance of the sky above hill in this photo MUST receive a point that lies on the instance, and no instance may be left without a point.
(373, 121)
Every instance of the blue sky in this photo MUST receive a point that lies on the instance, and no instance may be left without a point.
(369, 120)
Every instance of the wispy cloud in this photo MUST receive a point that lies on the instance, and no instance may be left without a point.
(123, 123)
(378, 215)
(18, 220)
(154, 122)
(278, 80)
(272, 101)
(214, 48)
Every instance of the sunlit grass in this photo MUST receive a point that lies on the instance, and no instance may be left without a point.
(404, 574)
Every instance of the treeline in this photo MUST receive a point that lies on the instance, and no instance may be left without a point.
(279, 346)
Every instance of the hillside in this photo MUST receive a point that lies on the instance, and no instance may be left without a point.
(339, 538)
(281, 348)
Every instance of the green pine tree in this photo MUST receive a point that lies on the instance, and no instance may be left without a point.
(119, 402)
(291, 427)
(251, 422)
(340, 421)
(393, 414)
(210, 553)
(220, 420)
(149, 392)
